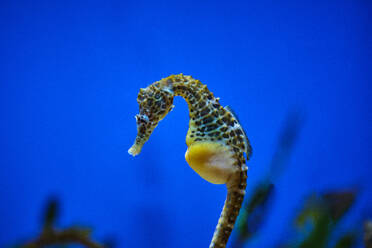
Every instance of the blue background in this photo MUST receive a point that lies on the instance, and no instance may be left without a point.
(70, 74)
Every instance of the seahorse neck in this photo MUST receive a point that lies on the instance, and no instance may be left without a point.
(194, 92)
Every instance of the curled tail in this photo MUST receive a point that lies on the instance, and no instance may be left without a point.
(230, 212)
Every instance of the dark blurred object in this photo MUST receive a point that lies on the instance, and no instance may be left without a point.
(252, 215)
(287, 140)
(368, 234)
(339, 202)
(333, 204)
(51, 213)
(256, 209)
(319, 218)
(109, 242)
(52, 236)
(346, 241)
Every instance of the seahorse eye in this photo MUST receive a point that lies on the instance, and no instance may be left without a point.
(141, 118)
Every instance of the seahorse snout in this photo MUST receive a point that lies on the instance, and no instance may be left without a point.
(135, 149)
(144, 129)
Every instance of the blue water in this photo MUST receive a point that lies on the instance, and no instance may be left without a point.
(70, 74)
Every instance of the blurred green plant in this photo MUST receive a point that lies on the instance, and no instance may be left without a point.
(256, 208)
(315, 225)
(52, 236)
(321, 213)
(368, 234)
(319, 218)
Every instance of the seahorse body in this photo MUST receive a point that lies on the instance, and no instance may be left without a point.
(215, 139)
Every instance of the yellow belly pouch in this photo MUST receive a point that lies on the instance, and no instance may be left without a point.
(212, 161)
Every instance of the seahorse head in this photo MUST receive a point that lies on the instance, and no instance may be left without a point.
(155, 102)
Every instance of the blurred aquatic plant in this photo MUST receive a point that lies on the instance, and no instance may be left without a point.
(321, 213)
(52, 236)
(319, 218)
(256, 209)
(368, 234)
(315, 225)
(254, 213)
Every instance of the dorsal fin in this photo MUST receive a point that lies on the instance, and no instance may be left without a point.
(248, 148)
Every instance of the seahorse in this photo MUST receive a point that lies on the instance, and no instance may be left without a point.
(216, 141)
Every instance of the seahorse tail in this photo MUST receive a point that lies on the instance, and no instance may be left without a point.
(230, 211)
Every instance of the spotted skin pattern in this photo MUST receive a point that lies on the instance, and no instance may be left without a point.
(215, 139)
